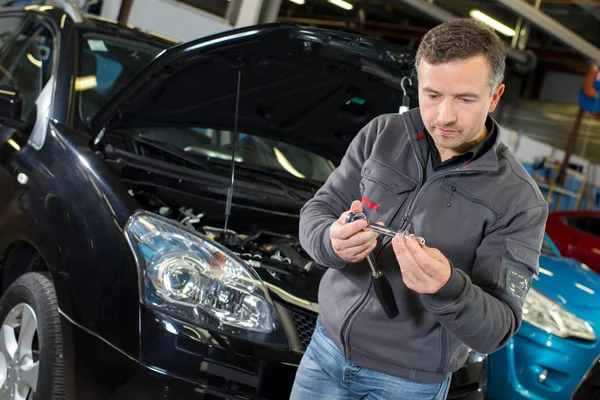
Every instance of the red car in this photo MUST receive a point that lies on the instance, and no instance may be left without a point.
(577, 235)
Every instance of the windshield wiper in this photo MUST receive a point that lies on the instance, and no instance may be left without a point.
(257, 176)
(304, 182)
(170, 150)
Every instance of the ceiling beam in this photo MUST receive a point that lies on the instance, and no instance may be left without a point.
(553, 28)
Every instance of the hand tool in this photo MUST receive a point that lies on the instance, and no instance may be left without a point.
(383, 289)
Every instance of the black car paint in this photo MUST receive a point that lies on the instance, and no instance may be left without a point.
(72, 211)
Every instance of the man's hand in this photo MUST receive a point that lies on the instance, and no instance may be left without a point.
(349, 240)
(424, 269)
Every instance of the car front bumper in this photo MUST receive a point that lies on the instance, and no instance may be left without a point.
(539, 366)
(177, 361)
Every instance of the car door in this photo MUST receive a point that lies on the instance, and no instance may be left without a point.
(27, 65)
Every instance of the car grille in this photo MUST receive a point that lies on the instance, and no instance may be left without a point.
(590, 387)
(305, 324)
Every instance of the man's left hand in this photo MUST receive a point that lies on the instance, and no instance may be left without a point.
(424, 269)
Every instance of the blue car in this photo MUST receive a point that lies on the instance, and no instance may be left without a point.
(555, 353)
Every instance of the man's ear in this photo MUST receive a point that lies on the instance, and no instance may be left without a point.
(496, 97)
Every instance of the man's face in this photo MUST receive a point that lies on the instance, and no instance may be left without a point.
(455, 99)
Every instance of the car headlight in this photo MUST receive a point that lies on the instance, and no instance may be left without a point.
(547, 314)
(186, 275)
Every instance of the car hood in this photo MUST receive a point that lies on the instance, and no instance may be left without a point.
(568, 282)
(309, 87)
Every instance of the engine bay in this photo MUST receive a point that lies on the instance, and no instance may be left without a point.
(259, 248)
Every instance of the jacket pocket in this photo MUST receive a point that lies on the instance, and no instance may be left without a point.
(384, 189)
(454, 190)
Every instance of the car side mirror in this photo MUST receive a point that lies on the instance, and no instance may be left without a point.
(11, 103)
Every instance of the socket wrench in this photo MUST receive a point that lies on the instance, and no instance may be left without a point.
(383, 289)
(384, 230)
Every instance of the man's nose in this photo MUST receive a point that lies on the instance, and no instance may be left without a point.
(446, 113)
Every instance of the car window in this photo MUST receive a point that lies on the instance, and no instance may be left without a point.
(107, 64)
(250, 149)
(28, 65)
(8, 27)
(587, 224)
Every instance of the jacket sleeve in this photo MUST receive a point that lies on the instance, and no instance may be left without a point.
(484, 311)
(334, 197)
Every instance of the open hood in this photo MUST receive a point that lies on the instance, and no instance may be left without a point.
(311, 88)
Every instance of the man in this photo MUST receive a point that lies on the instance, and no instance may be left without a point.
(439, 172)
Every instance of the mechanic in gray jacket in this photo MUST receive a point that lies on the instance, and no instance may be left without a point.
(439, 172)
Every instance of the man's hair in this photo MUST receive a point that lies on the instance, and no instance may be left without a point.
(460, 39)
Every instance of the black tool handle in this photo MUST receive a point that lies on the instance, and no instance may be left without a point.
(384, 293)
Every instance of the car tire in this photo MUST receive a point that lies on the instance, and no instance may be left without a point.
(30, 300)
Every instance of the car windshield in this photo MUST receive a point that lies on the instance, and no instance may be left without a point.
(253, 150)
(106, 65)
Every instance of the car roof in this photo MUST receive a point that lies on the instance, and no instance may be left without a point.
(89, 22)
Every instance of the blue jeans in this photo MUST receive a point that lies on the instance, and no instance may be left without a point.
(324, 373)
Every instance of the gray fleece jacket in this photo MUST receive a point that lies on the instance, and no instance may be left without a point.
(486, 216)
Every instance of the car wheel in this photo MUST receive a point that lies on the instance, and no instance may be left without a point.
(31, 362)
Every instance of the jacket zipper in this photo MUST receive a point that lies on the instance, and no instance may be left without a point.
(467, 196)
(452, 190)
(350, 316)
(444, 350)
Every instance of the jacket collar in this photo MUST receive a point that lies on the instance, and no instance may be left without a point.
(487, 162)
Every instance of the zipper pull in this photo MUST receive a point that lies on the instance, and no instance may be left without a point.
(452, 190)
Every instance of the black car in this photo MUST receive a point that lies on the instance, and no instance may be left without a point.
(137, 261)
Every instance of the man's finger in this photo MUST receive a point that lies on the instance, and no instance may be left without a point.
(403, 255)
(421, 256)
(347, 230)
(356, 206)
(361, 238)
(364, 254)
(356, 251)
(416, 279)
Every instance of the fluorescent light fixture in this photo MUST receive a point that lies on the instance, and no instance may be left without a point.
(34, 61)
(342, 4)
(85, 82)
(301, 2)
(285, 163)
(486, 19)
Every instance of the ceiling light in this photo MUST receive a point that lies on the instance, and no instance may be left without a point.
(342, 4)
(486, 19)
(301, 2)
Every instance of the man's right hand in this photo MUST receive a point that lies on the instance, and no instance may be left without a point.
(349, 240)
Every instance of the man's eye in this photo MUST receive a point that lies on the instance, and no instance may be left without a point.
(433, 96)
(467, 101)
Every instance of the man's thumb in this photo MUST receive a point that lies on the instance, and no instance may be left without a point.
(356, 206)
